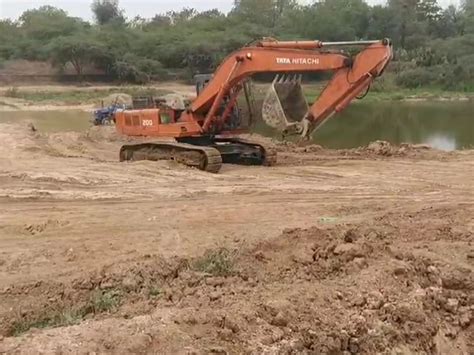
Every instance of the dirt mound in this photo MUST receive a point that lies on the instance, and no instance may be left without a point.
(117, 99)
(382, 148)
(52, 304)
(387, 149)
(102, 133)
(97, 143)
(16, 138)
(374, 294)
(350, 288)
(290, 153)
(24, 139)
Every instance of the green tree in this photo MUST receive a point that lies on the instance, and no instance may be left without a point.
(468, 16)
(449, 24)
(159, 21)
(433, 45)
(264, 12)
(138, 22)
(382, 22)
(79, 50)
(428, 10)
(106, 11)
(333, 20)
(209, 14)
(48, 22)
(180, 17)
(9, 36)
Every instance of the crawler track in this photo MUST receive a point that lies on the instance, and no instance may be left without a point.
(200, 157)
(262, 154)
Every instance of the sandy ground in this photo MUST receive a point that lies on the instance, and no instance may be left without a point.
(364, 251)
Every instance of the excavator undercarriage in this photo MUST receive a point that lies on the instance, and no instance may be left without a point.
(201, 157)
(204, 153)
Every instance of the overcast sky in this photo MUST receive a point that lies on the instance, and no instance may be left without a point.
(145, 8)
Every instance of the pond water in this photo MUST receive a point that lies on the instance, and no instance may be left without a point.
(443, 125)
(51, 121)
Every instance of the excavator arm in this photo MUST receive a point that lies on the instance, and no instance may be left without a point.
(353, 76)
(346, 84)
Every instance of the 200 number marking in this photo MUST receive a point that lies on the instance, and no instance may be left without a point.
(147, 123)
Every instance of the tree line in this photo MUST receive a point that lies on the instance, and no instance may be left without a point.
(433, 46)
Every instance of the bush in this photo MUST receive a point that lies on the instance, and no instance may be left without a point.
(415, 78)
(134, 69)
(385, 83)
(459, 76)
(150, 66)
(217, 263)
(129, 73)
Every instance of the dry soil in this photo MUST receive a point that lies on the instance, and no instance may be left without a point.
(358, 251)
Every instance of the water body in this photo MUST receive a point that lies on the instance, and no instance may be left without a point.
(443, 125)
(51, 121)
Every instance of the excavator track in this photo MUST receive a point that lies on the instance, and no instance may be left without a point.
(265, 155)
(201, 157)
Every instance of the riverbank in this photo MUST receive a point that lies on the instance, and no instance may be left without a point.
(65, 97)
(396, 94)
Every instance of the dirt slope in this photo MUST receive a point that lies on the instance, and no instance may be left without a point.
(352, 251)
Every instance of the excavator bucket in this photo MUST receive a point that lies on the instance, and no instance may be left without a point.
(284, 102)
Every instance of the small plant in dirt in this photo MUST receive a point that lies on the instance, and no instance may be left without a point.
(154, 291)
(50, 319)
(12, 92)
(217, 263)
(21, 325)
(62, 315)
(70, 317)
(103, 301)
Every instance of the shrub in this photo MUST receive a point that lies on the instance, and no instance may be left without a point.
(12, 92)
(217, 263)
(128, 72)
(414, 78)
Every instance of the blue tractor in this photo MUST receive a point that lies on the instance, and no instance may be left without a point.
(106, 115)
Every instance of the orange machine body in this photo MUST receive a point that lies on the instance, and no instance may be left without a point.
(155, 122)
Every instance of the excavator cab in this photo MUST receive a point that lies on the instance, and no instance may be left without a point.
(284, 102)
(201, 81)
(235, 119)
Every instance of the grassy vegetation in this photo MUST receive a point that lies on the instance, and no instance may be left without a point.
(75, 96)
(52, 319)
(154, 291)
(384, 89)
(217, 263)
(99, 302)
(421, 94)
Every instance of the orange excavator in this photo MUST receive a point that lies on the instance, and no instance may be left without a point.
(204, 132)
